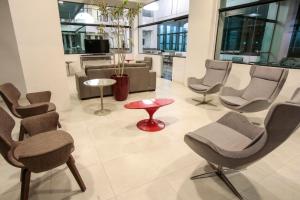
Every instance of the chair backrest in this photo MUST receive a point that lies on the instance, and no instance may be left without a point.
(266, 82)
(282, 120)
(216, 72)
(6, 126)
(10, 95)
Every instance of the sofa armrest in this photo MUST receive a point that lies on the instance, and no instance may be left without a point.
(152, 80)
(80, 77)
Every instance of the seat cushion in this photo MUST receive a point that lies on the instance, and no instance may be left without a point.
(199, 87)
(260, 88)
(223, 137)
(45, 150)
(233, 100)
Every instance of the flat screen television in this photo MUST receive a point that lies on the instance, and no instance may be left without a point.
(96, 46)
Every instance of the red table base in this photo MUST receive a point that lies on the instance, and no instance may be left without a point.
(151, 125)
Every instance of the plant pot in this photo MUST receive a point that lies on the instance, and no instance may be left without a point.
(121, 88)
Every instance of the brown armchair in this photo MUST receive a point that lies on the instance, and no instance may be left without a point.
(45, 150)
(39, 101)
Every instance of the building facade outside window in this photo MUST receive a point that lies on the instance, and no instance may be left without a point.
(163, 26)
(255, 32)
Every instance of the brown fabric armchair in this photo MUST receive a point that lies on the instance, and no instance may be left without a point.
(45, 150)
(215, 77)
(233, 142)
(39, 101)
(264, 87)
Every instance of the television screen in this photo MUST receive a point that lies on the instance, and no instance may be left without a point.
(96, 46)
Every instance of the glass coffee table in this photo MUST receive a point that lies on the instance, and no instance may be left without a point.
(101, 83)
(151, 106)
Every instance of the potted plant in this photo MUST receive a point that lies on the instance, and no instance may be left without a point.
(120, 16)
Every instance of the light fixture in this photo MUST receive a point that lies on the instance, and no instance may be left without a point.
(152, 6)
(61, 2)
(84, 17)
(254, 15)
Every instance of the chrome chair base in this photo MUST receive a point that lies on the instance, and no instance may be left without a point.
(220, 172)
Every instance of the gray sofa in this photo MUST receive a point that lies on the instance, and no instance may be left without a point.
(140, 79)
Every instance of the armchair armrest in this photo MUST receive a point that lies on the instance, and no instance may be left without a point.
(40, 123)
(229, 91)
(215, 88)
(32, 110)
(39, 97)
(255, 105)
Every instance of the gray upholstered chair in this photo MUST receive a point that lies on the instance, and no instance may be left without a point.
(264, 87)
(46, 149)
(148, 61)
(233, 142)
(215, 77)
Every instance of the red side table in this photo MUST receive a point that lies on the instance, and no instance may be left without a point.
(151, 106)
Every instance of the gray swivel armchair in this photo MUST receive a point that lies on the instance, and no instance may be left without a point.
(264, 87)
(233, 142)
(215, 77)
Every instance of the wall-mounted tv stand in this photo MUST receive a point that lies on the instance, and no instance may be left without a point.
(106, 57)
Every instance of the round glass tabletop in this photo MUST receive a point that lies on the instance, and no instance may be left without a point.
(100, 82)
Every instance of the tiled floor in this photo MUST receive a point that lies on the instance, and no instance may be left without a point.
(119, 162)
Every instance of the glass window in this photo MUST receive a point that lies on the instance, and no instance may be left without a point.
(267, 34)
(170, 36)
(82, 21)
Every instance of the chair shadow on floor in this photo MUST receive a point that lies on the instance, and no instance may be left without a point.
(216, 107)
(36, 186)
(211, 187)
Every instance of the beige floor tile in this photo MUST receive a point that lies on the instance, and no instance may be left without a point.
(98, 186)
(201, 189)
(131, 171)
(156, 190)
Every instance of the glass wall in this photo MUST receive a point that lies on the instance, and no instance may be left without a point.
(82, 21)
(263, 34)
(165, 36)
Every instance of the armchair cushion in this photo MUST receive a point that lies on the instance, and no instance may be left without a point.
(222, 136)
(199, 87)
(45, 151)
(213, 76)
(233, 100)
(260, 88)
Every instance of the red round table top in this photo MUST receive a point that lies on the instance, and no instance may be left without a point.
(148, 103)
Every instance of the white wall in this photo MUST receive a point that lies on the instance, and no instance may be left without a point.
(10, 66)
(201, 35)
(38, 34)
